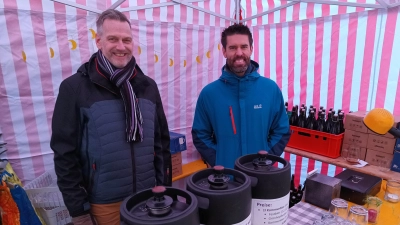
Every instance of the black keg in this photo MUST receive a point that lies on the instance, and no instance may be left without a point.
(270, 177)
(160, 206)
(224, 196)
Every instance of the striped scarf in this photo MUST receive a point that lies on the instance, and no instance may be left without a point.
(120, 78)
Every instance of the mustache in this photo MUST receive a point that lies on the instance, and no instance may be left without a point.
(241, 57)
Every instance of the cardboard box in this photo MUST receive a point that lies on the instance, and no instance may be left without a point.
(363, 151)
(378, 158)
(355, 138)
(381, 143)
(176, 171)
(176, 160)
(396, 124)
(354, 121)
(395, 162)
(177, 142)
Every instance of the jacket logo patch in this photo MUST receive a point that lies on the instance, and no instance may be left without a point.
(258, 106)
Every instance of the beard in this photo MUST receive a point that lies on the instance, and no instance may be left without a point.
(238, 69)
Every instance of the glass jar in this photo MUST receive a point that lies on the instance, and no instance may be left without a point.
(339, 207)
(392, 193)
(373, 205)
(358, 215)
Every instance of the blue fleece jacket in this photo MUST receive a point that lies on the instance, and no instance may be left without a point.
(237, 116)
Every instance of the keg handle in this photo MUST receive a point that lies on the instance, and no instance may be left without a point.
(203, 203)
(253, 180)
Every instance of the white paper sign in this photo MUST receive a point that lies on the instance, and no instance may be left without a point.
(270, 211)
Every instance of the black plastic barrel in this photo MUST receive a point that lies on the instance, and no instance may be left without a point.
(160, 206)
(224, 196)
(270, 186)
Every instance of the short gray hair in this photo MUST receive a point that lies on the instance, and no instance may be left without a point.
(111, 14)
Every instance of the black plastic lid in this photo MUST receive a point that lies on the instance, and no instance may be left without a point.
(357, 181)
(159, 205)
(218, 179)
(262, 162)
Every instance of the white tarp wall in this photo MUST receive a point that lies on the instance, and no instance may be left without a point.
(317, 54)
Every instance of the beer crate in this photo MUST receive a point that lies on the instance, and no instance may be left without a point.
(317, 142)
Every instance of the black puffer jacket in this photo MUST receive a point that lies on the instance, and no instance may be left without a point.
(93, 161)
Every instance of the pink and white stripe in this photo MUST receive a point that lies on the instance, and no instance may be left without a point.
(318, 54)
(331, 60)
(178, 90)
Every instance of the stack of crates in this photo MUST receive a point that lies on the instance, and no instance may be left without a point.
(47, 199)
(374, 148)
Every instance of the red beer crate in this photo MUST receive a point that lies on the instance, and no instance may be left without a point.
(317, 142)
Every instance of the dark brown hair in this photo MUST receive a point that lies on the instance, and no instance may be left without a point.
(236, 29)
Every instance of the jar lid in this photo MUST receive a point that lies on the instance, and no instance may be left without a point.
(340, 203)
(393, 183)
(359, 210)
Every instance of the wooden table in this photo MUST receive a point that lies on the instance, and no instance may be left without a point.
(368, 169)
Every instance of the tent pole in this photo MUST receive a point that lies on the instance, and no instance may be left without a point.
(75, 5)
(383, 3)
(237, 10)
(116, 4)
(204, 10)
(134, 8)
(395, 4)
(353, 4)
(270, 11)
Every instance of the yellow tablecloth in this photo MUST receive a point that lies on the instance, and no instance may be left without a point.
(390, 212)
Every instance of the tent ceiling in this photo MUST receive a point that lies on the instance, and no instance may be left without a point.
(381, 4)
(392, 3)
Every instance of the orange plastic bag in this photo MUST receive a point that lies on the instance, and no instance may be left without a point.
(10, 212)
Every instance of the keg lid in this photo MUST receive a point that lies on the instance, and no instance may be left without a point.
(159, 204)
(156, 205)
(218, 178)
(262, 161)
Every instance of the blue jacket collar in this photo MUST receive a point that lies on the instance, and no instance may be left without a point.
(230, 77)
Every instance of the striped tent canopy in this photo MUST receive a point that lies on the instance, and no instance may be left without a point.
(341, 55)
